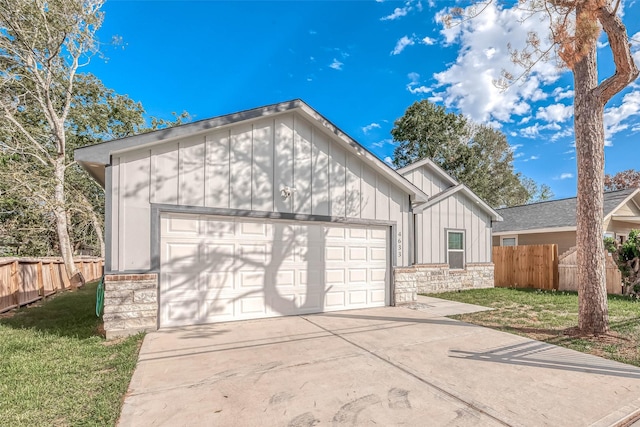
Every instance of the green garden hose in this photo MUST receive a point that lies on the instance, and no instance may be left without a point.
(100, 297)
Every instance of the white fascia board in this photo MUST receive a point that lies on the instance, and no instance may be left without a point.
(495, 216)
(430, 163)
(535, 231)
(624, 202)
(626, 218)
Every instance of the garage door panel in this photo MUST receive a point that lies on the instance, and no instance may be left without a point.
(219, 256)
(380, 235)
(252, 305)
(334, 232)
(254, 229)
(377, 296)
(182, 254)
(333, 253)
(377, 275)
(255, 253)
(219, 281)
(251, 279)
(358, 276)
(358, 297)
(335, 276)
(182, 225)
(223, 268)
(357, 254)
(378, 254)
(179, 283)
(285, 278)
(357, 233)
(335, 299)
(219, 229)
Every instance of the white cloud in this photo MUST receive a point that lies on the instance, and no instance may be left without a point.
(469, 83)
(388, 161)
(336, 65)
(401, 44)
(615, 116)
(568, 131)
(382, 143)
(557, 113)
(531, 158)
(565, 175)
(414, 85)
(398, 12)
(534, 130)
(560, 93)
(428, 41)
(370, 127)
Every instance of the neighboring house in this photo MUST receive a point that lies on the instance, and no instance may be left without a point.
(555, 221)
(274, 211)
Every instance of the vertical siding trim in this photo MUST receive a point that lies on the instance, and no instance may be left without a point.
(330, 200)
(251, 163)
(274, 159)
(312, 188)
(229, 157)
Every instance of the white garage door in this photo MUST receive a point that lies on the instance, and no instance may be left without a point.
(216, 269)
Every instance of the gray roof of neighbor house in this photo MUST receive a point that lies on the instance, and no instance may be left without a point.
(553, 213)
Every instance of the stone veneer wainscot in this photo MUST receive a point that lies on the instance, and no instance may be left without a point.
(433, 278)
(131, 304)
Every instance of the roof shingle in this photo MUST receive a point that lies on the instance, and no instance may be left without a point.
(553, 213)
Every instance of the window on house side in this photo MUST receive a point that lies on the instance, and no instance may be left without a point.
(455, 249)
(509, 241)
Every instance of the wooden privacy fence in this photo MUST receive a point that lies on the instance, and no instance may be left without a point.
(568, 269)
(26, 280)
(531, 266)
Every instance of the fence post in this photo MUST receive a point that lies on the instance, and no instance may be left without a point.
(15, 282)
(40, 281)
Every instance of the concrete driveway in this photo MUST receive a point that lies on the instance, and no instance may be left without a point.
(383, 366)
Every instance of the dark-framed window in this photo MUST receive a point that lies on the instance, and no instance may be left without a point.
(455, 249)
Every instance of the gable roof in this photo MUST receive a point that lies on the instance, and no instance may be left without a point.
(555, 214)
(95, 158)
(454, 188)
(430, 164)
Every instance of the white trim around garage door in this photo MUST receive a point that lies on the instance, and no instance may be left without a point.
(324, 266)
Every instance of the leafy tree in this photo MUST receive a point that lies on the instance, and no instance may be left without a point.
(575, 28)
(627, 257)
(476, 155)
(426, 130)
(622, 180)
(42, 46)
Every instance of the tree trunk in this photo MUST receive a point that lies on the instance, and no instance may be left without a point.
(99, 232)
(60, 214)
(589, 132)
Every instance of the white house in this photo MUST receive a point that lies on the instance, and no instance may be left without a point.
(275, 211)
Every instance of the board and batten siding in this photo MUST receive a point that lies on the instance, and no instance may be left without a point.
(245, 166)
(427, 180)
(457, 212)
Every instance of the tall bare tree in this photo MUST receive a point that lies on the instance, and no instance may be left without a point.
(43, 44)
(575, 28)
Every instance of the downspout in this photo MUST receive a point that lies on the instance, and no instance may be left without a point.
(412, 232)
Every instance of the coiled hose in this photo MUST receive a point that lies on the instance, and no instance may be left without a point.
(100, 297)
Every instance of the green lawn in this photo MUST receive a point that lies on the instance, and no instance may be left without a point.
(55, 367)
(552, 317)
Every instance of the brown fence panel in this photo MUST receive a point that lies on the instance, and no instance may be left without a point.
(28, 291)
(8, 286)
(23, 281)
(568, 270)
(530, 266)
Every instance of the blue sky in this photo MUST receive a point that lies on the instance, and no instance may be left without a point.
(360, 64)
